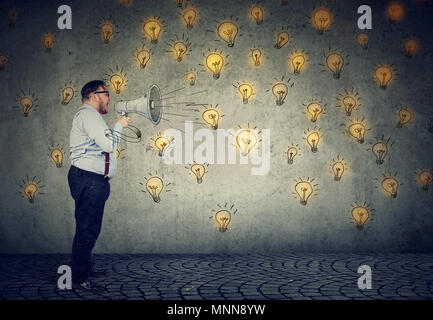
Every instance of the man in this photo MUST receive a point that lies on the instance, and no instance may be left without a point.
(91, 146)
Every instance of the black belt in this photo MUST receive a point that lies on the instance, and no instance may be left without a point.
(88, 173)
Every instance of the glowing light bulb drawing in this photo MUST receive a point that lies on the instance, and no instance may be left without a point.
(357, 130)
(199, 170)
(291, 153)
(297, 61)
(363, 39)
(257, 13)
(395, 11)
(152, 29)
(424, 178)
(48, 40)
(405, 116)
(283, 38)
(313, 138)
(215, 63)
(338, 168)
(12, 15)
(57, 157)
(117, 82)
(390, 185)
(256, 55)
(246, 91)
(304, 190)
(321, 19)
(189, 16)
(179, 3)
(411, 46)
(117, 79)
(107, 31)
(29, 189)
(383, 75)
(67, 95)
(223, 218)
(360, 214)
(380, 150)
(349, 101)
(314, 109)
(154, 186)
(26, 105)
(180, 49)
(142, 55)
(280, 92)
(211, 116)
(191, 77)
(335, 63)
(246, 139)
(162, 143)
(228, 31)
(126, 3)
(3, 61)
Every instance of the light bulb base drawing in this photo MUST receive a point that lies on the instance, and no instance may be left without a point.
(155, 41)
(47, 50)
(245, 101)
(360, 227)
(230, 45)
(348, 113)
(303, 202)
(58, 165)
(31, 200)
(383, 86)
(216, 76)
(337, 178)
(314, 149)
(336, 75)
(399, 125)
(199, 180)
(222, 229)
(361, 141)
(279, 102)
(425, 187)
(394, 195)
(379, 161)
(290, 161)
(156, 199)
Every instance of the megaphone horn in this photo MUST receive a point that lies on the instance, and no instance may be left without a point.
(149, 105)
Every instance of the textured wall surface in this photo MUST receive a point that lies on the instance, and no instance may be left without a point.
(268, 217)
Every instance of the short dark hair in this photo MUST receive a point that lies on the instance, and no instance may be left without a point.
(90, 87)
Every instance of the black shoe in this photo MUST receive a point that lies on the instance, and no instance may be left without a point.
(88, 285)
(95, 272)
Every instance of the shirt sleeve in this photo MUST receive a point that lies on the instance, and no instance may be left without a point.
(97, 129)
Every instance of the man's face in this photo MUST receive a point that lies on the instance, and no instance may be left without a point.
(103, 99)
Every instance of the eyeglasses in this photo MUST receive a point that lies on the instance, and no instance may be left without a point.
(105, 91)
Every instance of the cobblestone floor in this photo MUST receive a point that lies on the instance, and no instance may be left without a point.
(225, 277)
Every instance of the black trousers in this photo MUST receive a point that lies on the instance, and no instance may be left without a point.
(90, 191)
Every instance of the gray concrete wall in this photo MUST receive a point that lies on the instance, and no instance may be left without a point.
(268, 217)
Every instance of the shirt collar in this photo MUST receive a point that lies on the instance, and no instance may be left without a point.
(90, 107)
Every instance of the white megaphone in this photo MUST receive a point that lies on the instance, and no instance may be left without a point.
(149, 105)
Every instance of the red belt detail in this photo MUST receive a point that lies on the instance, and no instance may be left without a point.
(107, 164)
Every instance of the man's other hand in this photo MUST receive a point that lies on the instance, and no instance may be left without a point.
(124, 121)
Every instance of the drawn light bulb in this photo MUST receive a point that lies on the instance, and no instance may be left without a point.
(304, 189)
(211, 117)
(228, 32)
(425, 178)
(404, 117)
(191, 77)
(12, 15)
(282, 38)
(180, 49)
(338, 170)
(335, 63)
(189, 16)
(107, 31)
(67, 95)
(215, 63)
(246, 140)
(390, 185)
(298, 62)
(179, 3)
(154, 186)
(357, 130)
(383, 74)
(349, 104)
(26, 104)
(57, 157)
(30, 190)
(223, 218)
(256, 55)
(3, 61)
(313, 140)
(48, 41)
(161, 143)
(257, 14)
(314, 109)
(321, 19)
(363, 40)
(246, 91)
(143, 56)
(280, 92)
(199, 171)
(361, 215)
(291, 154)
(117, 82)
(152, 28)
(411, 46)
(395, 11)
(380, 150)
